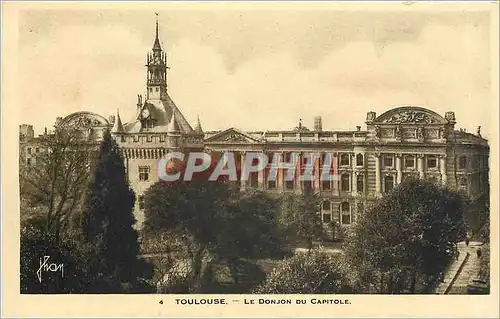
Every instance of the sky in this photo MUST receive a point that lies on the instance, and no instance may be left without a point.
(258, 69)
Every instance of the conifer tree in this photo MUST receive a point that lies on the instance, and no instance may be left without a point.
(108, 223)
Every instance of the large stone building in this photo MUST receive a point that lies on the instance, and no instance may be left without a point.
(402, 142)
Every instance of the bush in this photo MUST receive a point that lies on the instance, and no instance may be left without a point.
(314, 272)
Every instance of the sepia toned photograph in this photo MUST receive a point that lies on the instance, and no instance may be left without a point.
(262, 151)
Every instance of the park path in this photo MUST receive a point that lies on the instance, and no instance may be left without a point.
(461, 271)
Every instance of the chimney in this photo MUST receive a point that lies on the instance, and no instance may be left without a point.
(358, 128)
(318, 125)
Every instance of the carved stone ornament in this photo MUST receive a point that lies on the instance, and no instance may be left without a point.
(399, 133)
(387, 133)
(411, 117)
(420, 133)
(233, 137)
(409, 133)
(83, 122)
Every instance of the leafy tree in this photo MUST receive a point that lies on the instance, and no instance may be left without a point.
(54, 181)
(35, 244)
(216, 223)
(314, 272)
(407, 233)
(167, 255)
(108, 223)
(299, 217)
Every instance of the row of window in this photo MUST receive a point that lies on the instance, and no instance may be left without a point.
(476, 161)
(29, 150)
(326, 211)
(345, 158)
(409, 161)
(345, 215)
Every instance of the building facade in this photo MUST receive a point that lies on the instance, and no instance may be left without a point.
(402, 142)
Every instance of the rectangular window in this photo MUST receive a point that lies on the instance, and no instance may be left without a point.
(360, 183)
(462, 162)
(344, 160)
(345, 183)
(136, 138)
(388, 161)
(148, 138)
(346, 213)
(287, 157)
(409, 161)
(463, 183)
(359, 160)
(326, 205)
(254, 179)
(388, 183)
(144, 172)
(123, 138)
(29, 150)
(289, 184)
(271, 184)
(327, 218)
(325, 185)
(37, 150)
(307, 185)
(431, 162)
(162, 138)
(28, 161)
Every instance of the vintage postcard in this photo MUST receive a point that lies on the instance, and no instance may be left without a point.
(250, 159)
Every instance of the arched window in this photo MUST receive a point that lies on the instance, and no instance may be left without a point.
(344, 159)
(359, 160)
(344, 183)
(345, 211)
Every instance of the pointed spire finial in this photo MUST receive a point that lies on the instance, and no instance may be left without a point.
(173, 126)
(198, 128)
(156, 13)
(156, 45)
(118, 126)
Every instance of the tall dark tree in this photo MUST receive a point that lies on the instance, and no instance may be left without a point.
(108, 223)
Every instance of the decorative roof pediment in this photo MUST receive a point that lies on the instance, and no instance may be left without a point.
(232, 135)
(410, 115)
(80, 120)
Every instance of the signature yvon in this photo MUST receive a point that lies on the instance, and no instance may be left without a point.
(46, 266)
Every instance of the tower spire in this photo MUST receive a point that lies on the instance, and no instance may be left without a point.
(156, 45)
(156, 24)
(198, 128)
(118, 126)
